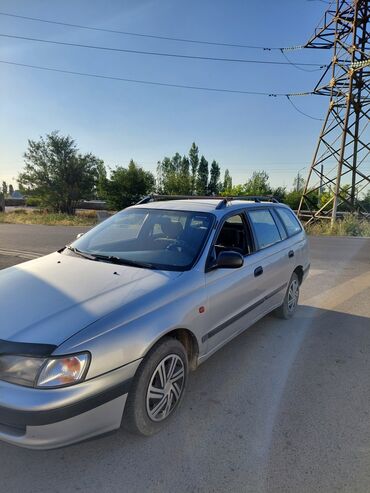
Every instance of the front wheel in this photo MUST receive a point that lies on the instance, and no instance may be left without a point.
(290, 303)
(158, 388)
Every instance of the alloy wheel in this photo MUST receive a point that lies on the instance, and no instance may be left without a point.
(293, 295)
(165, 387)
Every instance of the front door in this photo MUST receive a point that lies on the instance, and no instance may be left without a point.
(234, 294)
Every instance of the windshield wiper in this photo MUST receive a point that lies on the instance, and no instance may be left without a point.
(123, 261)
(80, 253)
(111, 258)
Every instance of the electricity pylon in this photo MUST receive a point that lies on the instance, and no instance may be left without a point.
(343, 148)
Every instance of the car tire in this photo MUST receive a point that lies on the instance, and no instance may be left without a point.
(290, 303)
(158, 388)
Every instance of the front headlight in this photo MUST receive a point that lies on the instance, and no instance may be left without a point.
(67, 370)
(20, 369)
(44, 372)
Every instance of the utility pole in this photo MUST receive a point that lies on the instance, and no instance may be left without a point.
(298, 184)
(343, 144)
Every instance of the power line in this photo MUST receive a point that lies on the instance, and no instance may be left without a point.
(138, 81)
(154, 83)
(297, 65)
(156, 53)
(322, 1)
(141, 35)
(302, 112)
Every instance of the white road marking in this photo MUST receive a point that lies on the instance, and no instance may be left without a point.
(315, 272)
(20, 253)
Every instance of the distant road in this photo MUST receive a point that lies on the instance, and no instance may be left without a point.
(283, 408)
(37, 238)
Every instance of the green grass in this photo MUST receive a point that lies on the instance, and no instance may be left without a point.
(349, 226)
(21, 216)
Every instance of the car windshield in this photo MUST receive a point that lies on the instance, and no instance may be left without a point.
(151, 238)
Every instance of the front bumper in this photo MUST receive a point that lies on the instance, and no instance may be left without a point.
(51, 418)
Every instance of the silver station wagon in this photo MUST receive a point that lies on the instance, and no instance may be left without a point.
(105, 331)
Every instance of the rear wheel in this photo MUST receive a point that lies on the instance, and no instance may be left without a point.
(289, 305)
(158, 388)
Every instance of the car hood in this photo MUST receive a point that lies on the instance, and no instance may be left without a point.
(49, 299)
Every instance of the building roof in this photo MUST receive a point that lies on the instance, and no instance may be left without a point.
(17, 195)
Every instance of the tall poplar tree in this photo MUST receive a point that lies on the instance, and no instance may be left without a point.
(202, 177)
(214, 180)
(194, 163)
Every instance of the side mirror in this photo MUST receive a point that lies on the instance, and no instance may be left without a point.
(79, 235)
(229, 260)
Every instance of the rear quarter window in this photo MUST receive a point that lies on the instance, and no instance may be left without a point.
(290, 221)
(264, 227)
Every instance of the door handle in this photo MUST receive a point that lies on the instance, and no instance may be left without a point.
(291, 254)
(258, 271)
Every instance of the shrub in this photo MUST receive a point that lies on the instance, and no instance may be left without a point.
(350, 225)
(33, 202)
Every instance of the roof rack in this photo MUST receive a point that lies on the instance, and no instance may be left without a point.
(223, 201)
(256, 198)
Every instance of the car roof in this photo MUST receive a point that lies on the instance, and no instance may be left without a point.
(216, 206)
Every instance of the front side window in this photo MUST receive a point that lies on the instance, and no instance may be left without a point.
(233, 236)
(153, 238)
(290, 221)
(264, 227)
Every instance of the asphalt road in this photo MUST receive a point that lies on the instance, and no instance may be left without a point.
(282, 408)
(37, 238)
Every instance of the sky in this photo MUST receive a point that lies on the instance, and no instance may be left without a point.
(118, 121)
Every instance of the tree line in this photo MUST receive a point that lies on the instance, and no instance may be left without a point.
(7, 190)
(56, 176)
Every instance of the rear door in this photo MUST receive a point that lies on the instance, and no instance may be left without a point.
(298, 248)
(272, 256)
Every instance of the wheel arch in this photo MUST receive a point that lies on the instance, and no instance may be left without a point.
(187, 339)
(299, 271)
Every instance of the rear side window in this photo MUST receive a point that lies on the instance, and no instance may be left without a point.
(290, 221)
(264, 227)
(279, 224)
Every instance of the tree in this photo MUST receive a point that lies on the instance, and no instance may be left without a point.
(185, 176)
(202, 177)
(228, 182)
(214, 185)
(279, 193)
(366, 201)
(188, 175)
(173, 175)
(234, 191)
(328, 195)
(128, 185)
(101, 181)
(293, 199)
(4, 188)
(194, 163)
(258, 184)
(57, 173)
